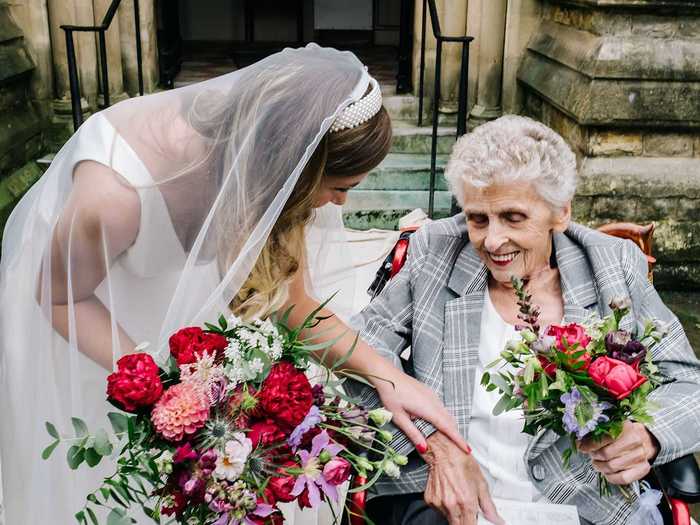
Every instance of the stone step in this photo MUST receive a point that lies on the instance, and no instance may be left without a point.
(409, 138)
(405, 171)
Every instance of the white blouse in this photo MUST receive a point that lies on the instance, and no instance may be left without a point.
(498, 442)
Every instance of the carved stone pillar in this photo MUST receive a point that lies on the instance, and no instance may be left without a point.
(149, 51)
(453, 20)
(490, 69)
(76, 12)
(115, 73)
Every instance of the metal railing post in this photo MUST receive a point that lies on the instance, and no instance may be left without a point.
(463, 88)
(422, 64)
(433, 144)
(73, 81)
(137, 30)
(104, 68)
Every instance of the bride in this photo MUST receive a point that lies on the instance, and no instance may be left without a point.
(164, 211)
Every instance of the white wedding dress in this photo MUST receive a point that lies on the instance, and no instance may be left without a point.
(151, 266)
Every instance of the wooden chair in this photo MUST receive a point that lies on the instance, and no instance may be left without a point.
(679, 480)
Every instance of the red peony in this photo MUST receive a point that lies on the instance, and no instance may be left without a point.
(282, 485)
(266, 433)
(286, 395)
(617, 377)
(189, 344)
(566, 337)
(136, 383)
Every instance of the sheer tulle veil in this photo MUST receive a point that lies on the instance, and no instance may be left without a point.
(210, 167)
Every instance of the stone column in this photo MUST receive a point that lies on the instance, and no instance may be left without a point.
(522, 19)
(620, 81)
(149, 51)
(490, 72)
(115, 73)
(453, 17)
(33, 17)
(75, 12)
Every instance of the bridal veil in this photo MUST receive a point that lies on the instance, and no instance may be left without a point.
(204, 172)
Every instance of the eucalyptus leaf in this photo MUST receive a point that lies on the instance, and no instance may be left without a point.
(52, 430)
(92, 458)
(46, 453)
(75, 456)
(102, 444)
(80, 427)
(118, 421)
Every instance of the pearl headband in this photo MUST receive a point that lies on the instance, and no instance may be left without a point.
(361, 111)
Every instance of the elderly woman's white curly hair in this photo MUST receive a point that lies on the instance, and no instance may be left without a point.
(513, 150)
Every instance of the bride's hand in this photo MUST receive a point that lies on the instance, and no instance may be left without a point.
(407, 398)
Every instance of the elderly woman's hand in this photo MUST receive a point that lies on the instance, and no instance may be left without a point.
(407, 399)
(626, 459)
(456, 487)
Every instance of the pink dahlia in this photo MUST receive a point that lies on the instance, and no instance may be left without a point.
(182, 410)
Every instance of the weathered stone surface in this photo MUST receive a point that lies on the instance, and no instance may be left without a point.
(614, 143)
(696, 146)
(14, 186)
(668, 145)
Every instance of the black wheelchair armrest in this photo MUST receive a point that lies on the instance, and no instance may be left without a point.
(680, 479)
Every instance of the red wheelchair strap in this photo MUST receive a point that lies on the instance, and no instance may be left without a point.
(399, 257)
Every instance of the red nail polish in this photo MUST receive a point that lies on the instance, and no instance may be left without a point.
(422, 448)
(469, 449)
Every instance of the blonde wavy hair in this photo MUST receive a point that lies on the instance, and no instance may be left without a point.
(342, 154)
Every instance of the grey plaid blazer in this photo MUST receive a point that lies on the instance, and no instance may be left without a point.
(434, 306)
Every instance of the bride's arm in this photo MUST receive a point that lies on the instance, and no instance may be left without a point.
(100, 221)
(400, 393)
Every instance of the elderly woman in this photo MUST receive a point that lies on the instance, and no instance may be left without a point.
(453, 304)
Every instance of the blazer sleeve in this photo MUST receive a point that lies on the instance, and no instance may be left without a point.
(676, 423)
(387, 324)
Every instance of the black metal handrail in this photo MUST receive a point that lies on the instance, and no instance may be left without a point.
(463, 87)
(72, 65)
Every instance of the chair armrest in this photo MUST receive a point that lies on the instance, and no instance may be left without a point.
(680, 479)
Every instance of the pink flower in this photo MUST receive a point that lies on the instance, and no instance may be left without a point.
(336, 471)
(617, 377)
(181, 411)
(184, 453)
(570, 339)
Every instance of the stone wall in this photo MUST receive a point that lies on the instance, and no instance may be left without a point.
(23, 123)
(620, 80)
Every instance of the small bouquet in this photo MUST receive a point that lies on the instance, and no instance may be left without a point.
(229, 428)
(577, 380)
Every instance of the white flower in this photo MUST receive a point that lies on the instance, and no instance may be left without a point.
(391, 469)
(231, 463)
(256, 365)
(233, 349)
(232, 321)
(380, 416)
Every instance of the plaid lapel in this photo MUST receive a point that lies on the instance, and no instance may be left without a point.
(461, 337)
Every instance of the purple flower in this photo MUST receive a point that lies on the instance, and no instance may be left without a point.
(312, 478)
(616, 340)
(313, 418)
(632, 352)
(580, 415)
(263, 510)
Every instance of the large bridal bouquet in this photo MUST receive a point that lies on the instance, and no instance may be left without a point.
(229, 428)
(578, 381)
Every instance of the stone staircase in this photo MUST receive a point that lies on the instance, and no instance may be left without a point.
(401, 182)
